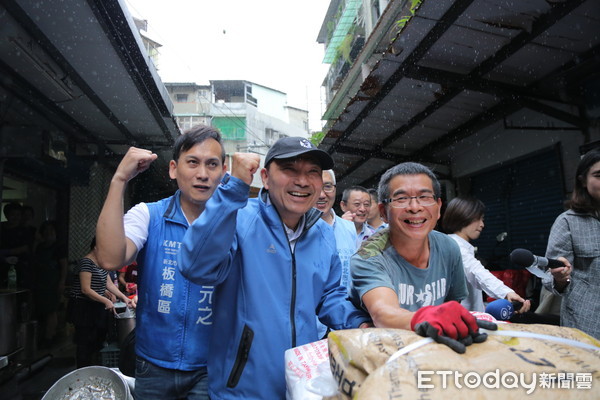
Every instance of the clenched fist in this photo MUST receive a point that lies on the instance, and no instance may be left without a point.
(244, 165)
(134, 162)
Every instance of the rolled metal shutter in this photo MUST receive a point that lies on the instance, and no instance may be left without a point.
(523, 199)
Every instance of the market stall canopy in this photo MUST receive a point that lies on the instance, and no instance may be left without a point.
(458, 70)
(76, 73)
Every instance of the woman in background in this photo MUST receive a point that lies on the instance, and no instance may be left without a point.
(464, 220)
(575, 240)
(88, 307)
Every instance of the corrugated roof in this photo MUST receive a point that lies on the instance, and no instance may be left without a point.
(459, 68)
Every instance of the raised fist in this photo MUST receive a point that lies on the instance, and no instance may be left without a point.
(244, 165)
(134, 162)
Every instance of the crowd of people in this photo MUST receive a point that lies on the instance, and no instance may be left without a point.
(223, 284)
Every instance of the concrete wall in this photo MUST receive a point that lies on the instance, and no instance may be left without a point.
(270, 101)
(494, 146)
(298, 117)
(198, 101)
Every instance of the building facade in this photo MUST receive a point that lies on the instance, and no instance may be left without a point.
(191, 103)
(250, 116)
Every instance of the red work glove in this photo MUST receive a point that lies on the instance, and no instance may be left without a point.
(450, 324)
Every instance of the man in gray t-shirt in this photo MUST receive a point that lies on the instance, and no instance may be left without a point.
(378, 264)
(408, 276)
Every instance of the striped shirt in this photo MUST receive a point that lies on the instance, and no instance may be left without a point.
(98, 282)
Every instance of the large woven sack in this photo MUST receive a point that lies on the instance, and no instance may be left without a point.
(550, 365)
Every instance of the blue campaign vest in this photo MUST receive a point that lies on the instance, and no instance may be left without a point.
(174, 315)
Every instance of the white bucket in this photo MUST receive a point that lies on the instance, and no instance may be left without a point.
(84, 383)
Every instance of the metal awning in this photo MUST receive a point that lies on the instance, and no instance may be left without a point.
(78, 69)
(459, 70)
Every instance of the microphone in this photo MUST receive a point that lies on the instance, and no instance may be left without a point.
(525, 258)
(501, 309)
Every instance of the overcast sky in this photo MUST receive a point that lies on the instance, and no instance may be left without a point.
(268, 42)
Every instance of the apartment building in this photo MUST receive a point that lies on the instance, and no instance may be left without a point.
(250, 116)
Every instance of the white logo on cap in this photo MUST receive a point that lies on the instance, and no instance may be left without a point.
(305, 143)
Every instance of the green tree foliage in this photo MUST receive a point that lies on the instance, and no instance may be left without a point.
(316, 138)
(414, 5)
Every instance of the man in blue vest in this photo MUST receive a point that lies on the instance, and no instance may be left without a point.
(174, 315)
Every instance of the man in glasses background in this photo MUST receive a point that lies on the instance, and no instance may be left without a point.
(412, 277)
(356, 204)
(344, 230)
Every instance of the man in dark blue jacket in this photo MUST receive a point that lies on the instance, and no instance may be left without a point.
(274, 265)
(174, 316)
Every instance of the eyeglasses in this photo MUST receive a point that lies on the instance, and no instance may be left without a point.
(404, 201)
(328, 187)
(358, 204)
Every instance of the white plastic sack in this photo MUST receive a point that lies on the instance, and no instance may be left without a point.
(307, 372)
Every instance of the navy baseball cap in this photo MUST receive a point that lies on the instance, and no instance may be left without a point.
(289, 147)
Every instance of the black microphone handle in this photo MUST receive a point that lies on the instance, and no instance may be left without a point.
(517, 305)
(554, 263)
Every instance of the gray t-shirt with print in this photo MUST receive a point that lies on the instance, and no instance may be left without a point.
(378, 264)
